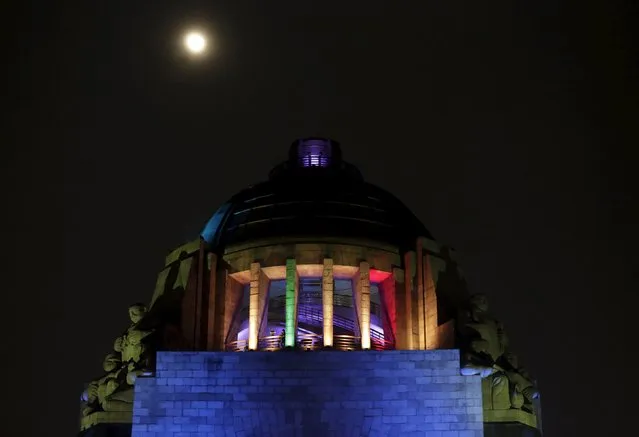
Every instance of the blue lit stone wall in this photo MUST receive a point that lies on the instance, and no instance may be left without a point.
(397, 393)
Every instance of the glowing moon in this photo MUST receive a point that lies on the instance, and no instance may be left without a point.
(195, 43)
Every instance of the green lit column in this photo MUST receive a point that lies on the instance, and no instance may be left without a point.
(291, 302)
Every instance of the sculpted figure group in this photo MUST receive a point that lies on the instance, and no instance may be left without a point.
(129, 359)
(486, 353)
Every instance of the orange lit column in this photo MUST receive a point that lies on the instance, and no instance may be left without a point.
(363, 300)
(432, 330)
(421, 310)
(257, 303)
(327, 302)
(409, 272)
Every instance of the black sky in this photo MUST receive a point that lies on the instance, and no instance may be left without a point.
(506, 126)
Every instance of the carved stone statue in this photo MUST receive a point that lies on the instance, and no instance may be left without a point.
(484, 336)
(110, 392)
(522, 388)
(130, 359)
(131, 344)
(485, 345)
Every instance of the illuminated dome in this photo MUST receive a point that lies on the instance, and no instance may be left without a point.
(314, 194)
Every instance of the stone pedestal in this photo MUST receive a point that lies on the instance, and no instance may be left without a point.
(510, 423)
(292, 393)
(106, 424)
(511, 429)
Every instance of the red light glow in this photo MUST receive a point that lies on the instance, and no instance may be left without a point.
(378, 276)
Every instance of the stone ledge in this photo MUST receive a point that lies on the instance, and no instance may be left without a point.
(511, 415)
(106, 417)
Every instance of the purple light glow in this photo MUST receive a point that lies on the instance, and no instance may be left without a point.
(314, 153)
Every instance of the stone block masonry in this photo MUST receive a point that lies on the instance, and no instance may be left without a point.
(363, 393)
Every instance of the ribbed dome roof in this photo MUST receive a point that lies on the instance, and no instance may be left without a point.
(314, 194)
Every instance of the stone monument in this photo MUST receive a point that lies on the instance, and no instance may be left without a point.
(312, 304)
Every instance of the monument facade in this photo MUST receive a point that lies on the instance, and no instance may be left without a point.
(312, 304)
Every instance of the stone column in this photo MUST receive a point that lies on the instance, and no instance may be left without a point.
(421, 323)
(225, 300)
(230, 296)
(409, 269)
(362, 295)
(212, 309)
(201, 301)
(388, 295)
(401, 336)
(292, 285)
(432, 329)
(257, 303)
(327, 302)
(187, 278)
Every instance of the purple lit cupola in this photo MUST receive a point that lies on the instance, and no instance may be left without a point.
(315, 158)
(314, 152)
(309, 153)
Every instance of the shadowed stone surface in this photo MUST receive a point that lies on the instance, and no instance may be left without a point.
(510, 430)
(408, 393)
(107, 430)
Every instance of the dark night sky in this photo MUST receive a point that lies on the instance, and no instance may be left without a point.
(503, 125)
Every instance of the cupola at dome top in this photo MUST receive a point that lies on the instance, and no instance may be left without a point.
(315, 157)
(314, 152)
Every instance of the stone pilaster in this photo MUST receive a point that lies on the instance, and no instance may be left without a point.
(212, 310)
(388, 296)
(230, 300)
(432, 329)
(409, 273)
(225, 299)
(421, 323)
(402, 334)
(201, 301)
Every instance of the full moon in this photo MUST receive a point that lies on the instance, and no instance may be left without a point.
(195, 43)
